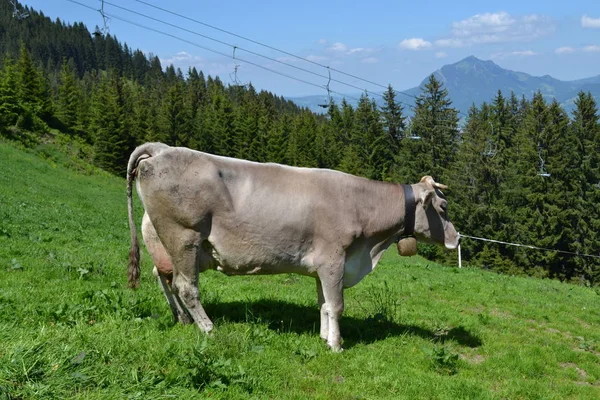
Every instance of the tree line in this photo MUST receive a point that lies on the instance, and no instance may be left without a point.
(519, 169)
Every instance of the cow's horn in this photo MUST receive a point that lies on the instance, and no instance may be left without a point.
(433, 183)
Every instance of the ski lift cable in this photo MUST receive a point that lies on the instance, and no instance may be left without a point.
(329, 69)
(225, 55)
(212, 50)
(287, 53)
(271, 47)
(250, 51)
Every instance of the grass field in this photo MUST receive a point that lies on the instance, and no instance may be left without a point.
(69, 327)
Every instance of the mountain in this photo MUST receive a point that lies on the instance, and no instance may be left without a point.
(474, 81)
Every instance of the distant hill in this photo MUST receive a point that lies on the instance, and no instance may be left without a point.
(472, 80)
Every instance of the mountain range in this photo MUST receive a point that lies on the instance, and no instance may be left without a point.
(474, 81)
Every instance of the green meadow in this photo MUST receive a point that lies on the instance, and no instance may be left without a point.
(413, 329)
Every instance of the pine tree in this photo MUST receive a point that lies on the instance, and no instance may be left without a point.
(33, 94)
(586, 128)
(172, 114)
(393, 118)
(10, 108)
(68, 96)
(530, 186)
(222, 125)
(328, 146)
(436, 123)
(563, 205)
(301, 146)
(278, 140)
(28, 81)
(112, 143)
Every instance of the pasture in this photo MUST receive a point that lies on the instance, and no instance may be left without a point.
(70, 328)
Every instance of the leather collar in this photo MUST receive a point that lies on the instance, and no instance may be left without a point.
(410, 207)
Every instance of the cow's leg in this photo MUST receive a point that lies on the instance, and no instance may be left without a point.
(332, 280)
(186, 260)
(163, 269)
(323, 311)
(179, 312)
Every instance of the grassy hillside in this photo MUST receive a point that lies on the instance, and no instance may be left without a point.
(69, 327)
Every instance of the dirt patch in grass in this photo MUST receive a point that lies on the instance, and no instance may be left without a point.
(473, 358)
(582, 374)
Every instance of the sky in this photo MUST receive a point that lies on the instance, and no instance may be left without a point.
(384, 42)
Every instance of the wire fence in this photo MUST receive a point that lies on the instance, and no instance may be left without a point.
(528, 246)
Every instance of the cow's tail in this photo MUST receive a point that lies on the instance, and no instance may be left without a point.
(140, 153)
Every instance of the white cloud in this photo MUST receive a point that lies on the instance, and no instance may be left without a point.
(360, 50)
(183, 60)
(565, 50)
(370, 60)
(521, 53)
(589, 22)
(524, 53)
(441, 54)
(497, 27)
(591, 49)
(449, 43)
(287, 59)
(315, 58)
(414, 44)
(483, 24)
(322, 42)
(338, 47)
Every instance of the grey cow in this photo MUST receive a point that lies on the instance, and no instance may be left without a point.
(242, 218)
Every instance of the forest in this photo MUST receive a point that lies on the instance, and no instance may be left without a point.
(520, 169)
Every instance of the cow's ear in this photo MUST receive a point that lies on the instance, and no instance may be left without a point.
(426, 197)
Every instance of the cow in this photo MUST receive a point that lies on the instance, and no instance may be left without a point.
(204, 211)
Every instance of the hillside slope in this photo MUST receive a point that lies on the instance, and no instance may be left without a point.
(70, 328)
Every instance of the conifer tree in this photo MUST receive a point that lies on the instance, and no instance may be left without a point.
(172, 115)
(68, 96)
(586, 127)
(393, 118)
(221, 124)
(278, 140)
(112, 143)
(436, 123)
(10, 108)
(328, 145)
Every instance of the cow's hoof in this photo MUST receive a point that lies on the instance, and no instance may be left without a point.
(337, 349)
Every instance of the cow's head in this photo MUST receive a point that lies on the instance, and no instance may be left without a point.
(431, 217)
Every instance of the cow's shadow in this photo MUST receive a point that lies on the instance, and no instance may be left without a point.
(282, 316)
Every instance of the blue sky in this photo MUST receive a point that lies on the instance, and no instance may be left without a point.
(397, 42)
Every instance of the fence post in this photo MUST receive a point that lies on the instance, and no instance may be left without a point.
(459, 257)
